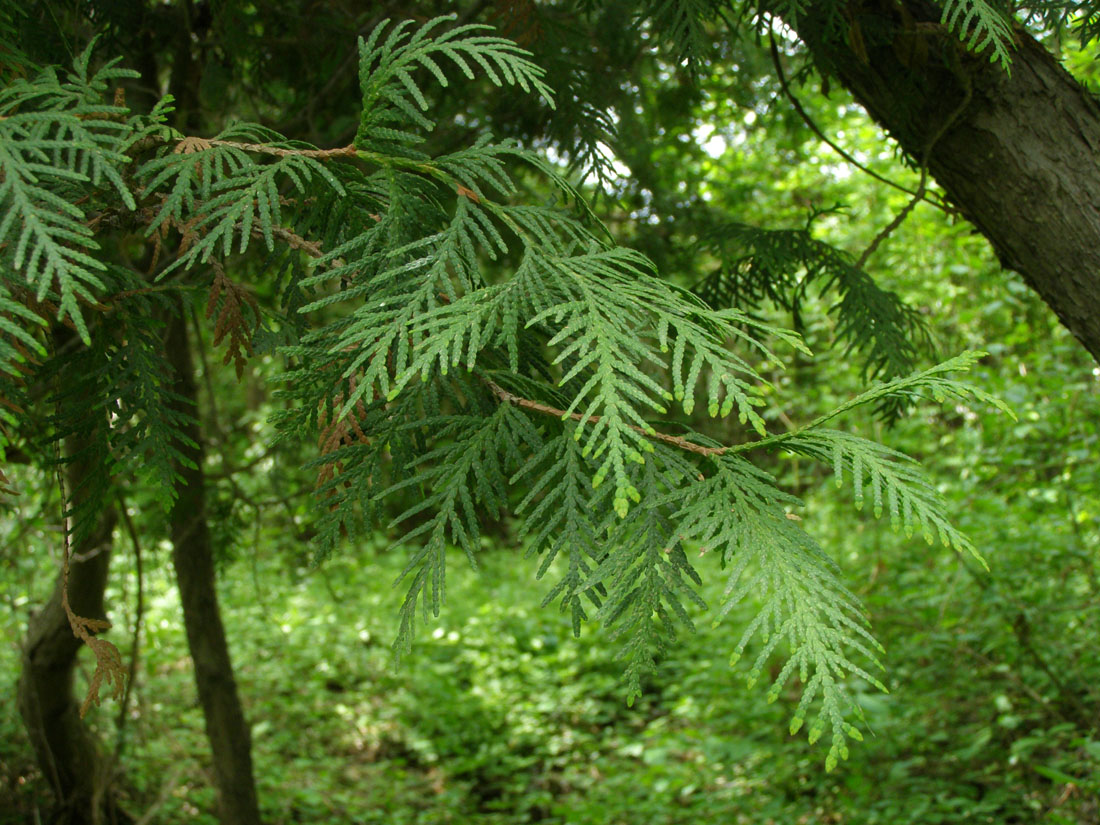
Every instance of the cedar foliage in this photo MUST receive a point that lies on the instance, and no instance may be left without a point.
(549, 392)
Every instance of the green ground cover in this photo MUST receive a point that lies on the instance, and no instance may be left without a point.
(501, 716)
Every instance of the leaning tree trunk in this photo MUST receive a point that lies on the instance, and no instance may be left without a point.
(1018, 153)
(193, 558)
(67, 752)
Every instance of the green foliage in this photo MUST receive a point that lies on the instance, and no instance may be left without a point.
(780, 265)
(895, 481)
(58, 142)
(544, 380)
(1079, 17)
(501, 718)
(559, 517)
(226, 195)
(738, 512)
(392, 99)
(683, 24)
(18, 342)
(467, 478)
(497, 716)
(147, 438)
(12, 58)
(982, 25)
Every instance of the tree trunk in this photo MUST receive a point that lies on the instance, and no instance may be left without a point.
(1018, 153)
(67, 752)
(193, 558)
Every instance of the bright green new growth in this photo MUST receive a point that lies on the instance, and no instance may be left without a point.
(547, 392)
(981, 25)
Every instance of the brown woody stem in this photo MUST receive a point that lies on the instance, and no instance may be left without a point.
(535, 406)
(348, 151)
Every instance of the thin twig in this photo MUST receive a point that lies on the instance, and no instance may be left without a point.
(231, 470)
(919, 194)
(165, 792)
(64, 539)
(343, 151)
(108, 661)
(802, 113)
(898, 220)
(147, 290)
(535, 406)
(293, 240)
(135, 643)
(207, 376)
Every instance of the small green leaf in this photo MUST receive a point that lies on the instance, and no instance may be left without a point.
(816, 730)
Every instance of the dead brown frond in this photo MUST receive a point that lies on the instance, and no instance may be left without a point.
(518, 20)
(192, 144)
(226, 305)
(108, 661)
(338, 431)
(5, 486)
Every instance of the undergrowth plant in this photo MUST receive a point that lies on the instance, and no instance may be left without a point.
(448, 341)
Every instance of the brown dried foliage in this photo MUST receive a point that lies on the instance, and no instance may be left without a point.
(338, 431)
(5, 485)
(109, 668)
(518, 20)
(226, 305)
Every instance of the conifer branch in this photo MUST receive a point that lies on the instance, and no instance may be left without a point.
(393, 268)
(545, 409)
(293, 240)
(781, 76)
(283, 151)
(932, 381)
(899, 219)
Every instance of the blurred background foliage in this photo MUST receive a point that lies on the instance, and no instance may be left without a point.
(500, 716)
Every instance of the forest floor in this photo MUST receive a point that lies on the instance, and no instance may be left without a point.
(499, 715)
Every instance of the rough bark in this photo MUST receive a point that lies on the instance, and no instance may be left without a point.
(1018, 154)
(193, 558)
(67, 752)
